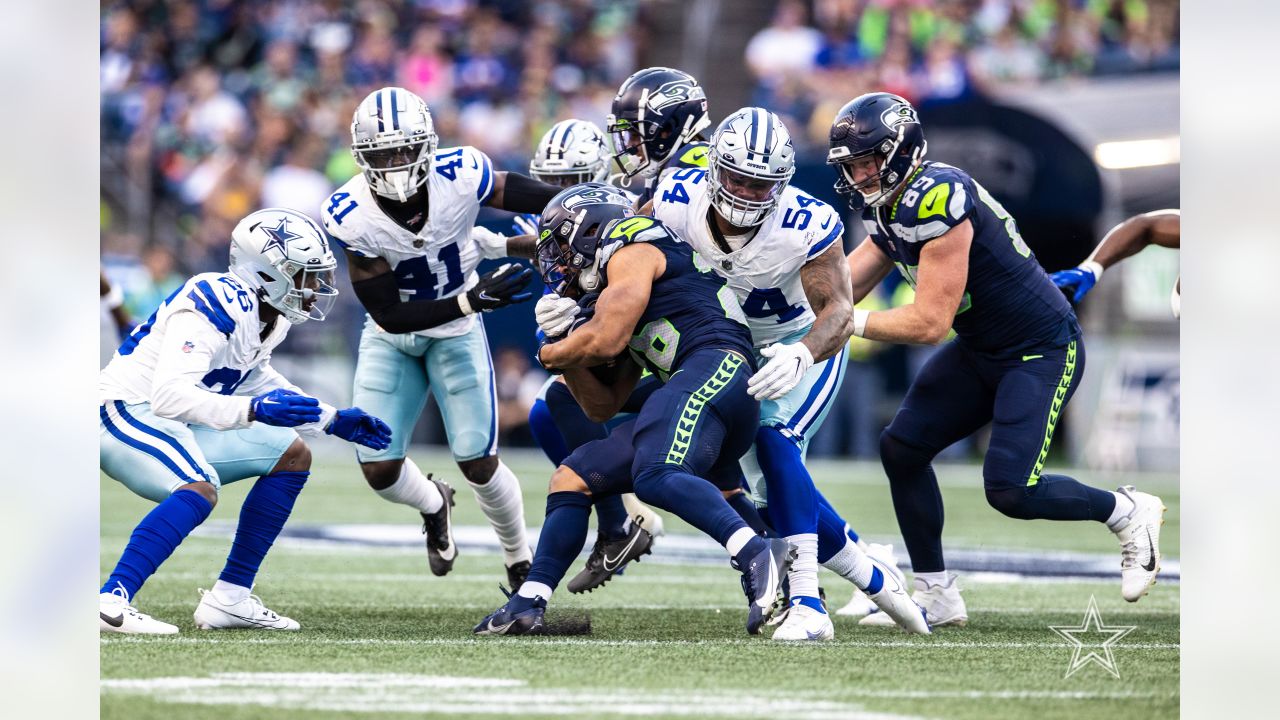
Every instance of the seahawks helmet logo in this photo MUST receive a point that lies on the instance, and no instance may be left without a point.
(676, 91)
(591, 196)
(900, 114)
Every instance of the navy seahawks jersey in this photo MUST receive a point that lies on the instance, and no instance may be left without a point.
(689, 155)
(690, 307)
(1009, 303)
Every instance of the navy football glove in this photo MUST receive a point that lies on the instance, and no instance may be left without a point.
(285, 408)
(1078, 281)
(357, 426)
(499, 288)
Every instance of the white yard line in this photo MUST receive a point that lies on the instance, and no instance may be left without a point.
(923, 644)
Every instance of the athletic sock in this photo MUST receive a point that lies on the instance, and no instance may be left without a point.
(804, 570)
(1124, 506)
(155, 537)
(543, 428)
(229, 594)
(925, 580)
(739, 540)
(413, 488)
(611, 516)
(833, 532)
(533, 590)
(564, 531)
(852, 564)
(502, 503)
(262, 517)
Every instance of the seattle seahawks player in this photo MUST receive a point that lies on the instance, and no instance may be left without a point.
(656, 124)
(1158, 227)
(1016, 361)
(190, 402)
(405, 223)
(780, 250)
(657, 300)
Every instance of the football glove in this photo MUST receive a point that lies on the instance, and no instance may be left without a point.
(497, 289)
(357, 426)
(285, 408)
(555, 314)
(1078, 281)
(785, 369)
(526, 224)
(493, 246)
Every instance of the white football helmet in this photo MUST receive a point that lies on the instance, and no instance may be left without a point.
(751, 160)
(573, 151)
(393, 140)
(284, 256)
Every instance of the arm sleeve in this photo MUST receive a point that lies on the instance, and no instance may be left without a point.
(381, 297)
(185, 356)
(526, 195)
(266, 378)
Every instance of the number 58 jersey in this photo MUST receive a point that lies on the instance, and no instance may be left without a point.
(764, 273)
(438, 261)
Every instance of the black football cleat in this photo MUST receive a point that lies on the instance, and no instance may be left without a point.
(762, 578)
(518, 573)
(609, 557)
(519, 616)
(438, 529)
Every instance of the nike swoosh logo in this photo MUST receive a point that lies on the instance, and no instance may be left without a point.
(1030, 357)
(449, 553)
(1151, 561)
(116, 621)
(828, 222)
(617, 559)
(766, 601)
(498, 629)
(813, 635)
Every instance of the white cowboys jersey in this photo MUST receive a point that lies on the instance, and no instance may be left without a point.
(440, 260)
(199, 358)
(765, 272)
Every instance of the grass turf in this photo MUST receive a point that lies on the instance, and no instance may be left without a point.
(382, 637)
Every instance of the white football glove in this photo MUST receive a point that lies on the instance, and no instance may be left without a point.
(526, 224)
(785, 369)
(555, 314)
(493, 246)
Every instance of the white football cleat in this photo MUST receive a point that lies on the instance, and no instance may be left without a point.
(804, 623)
(652, 520)
(115, 614)
(213, 614)
(942, 605)
(860, 606)
(1140, 544)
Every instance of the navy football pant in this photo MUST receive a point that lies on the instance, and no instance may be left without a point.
(956, 393)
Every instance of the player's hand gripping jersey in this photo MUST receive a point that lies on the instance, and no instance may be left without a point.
(440, 260)
(1009, 302)
(764, 273)
(200, 358)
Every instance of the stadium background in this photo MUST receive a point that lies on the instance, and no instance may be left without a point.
(1066, 110)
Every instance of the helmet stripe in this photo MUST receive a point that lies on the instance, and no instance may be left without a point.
(395, 111)
(564, 141)
(754, 128)
(378, 101)
(767, 118)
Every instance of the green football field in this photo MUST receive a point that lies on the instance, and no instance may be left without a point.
(381, 637)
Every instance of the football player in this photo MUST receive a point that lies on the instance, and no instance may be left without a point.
(1016, 361)
(1158, 227)
(680, 321)
(656, 125)
(190, 402)
(405, 223)
(780, 250)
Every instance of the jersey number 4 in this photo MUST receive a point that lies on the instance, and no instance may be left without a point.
(417, 276)
(767, 302)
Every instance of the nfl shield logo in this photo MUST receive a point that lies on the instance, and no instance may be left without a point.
(188, 346)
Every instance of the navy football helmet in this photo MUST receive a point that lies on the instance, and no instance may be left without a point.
(883, 127)
(571, 236)
(656, 111)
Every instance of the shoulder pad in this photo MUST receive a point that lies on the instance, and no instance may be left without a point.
(938, 198)
(341, 214)
(220, 299)
(692, 154)
(467, 169)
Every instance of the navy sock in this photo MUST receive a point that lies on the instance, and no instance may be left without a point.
(564, 531)
(750, 514)
(693, 499)
(611, 516)
(1053, 497)
(544, 431)
(793, 500)
(262, 517)
(154, 539)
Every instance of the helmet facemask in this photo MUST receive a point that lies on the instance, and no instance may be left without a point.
(745, 198)
(893, 170)
(396, 169)
(631, 141)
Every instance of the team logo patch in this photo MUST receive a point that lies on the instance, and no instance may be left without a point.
(592, 195)
(188, 346)
(676, 91)
(899, 114)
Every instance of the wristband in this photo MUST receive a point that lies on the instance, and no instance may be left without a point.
(464, 304)
(1094, 267)
(860, 321)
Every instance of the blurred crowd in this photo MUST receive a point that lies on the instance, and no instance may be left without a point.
(814, 56)
(213, 108)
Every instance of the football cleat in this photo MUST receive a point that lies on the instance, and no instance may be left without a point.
(942, 605)
(1140, 544)
(517, 573)
(525, 618)
(610, 556)
(784, 604)
(213, 614)
(894, 603)
(860, 606)
(438, 529)
(115, 614)
(762, 580)
(804, 623)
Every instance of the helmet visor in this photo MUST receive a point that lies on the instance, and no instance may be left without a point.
(553, 264)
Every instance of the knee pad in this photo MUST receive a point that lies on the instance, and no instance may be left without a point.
(1010, 501)
(896, 454)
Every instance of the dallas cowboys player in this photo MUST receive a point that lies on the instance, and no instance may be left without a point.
(405, 223)
(190, 402)
(1016, 361)
(780, 250)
